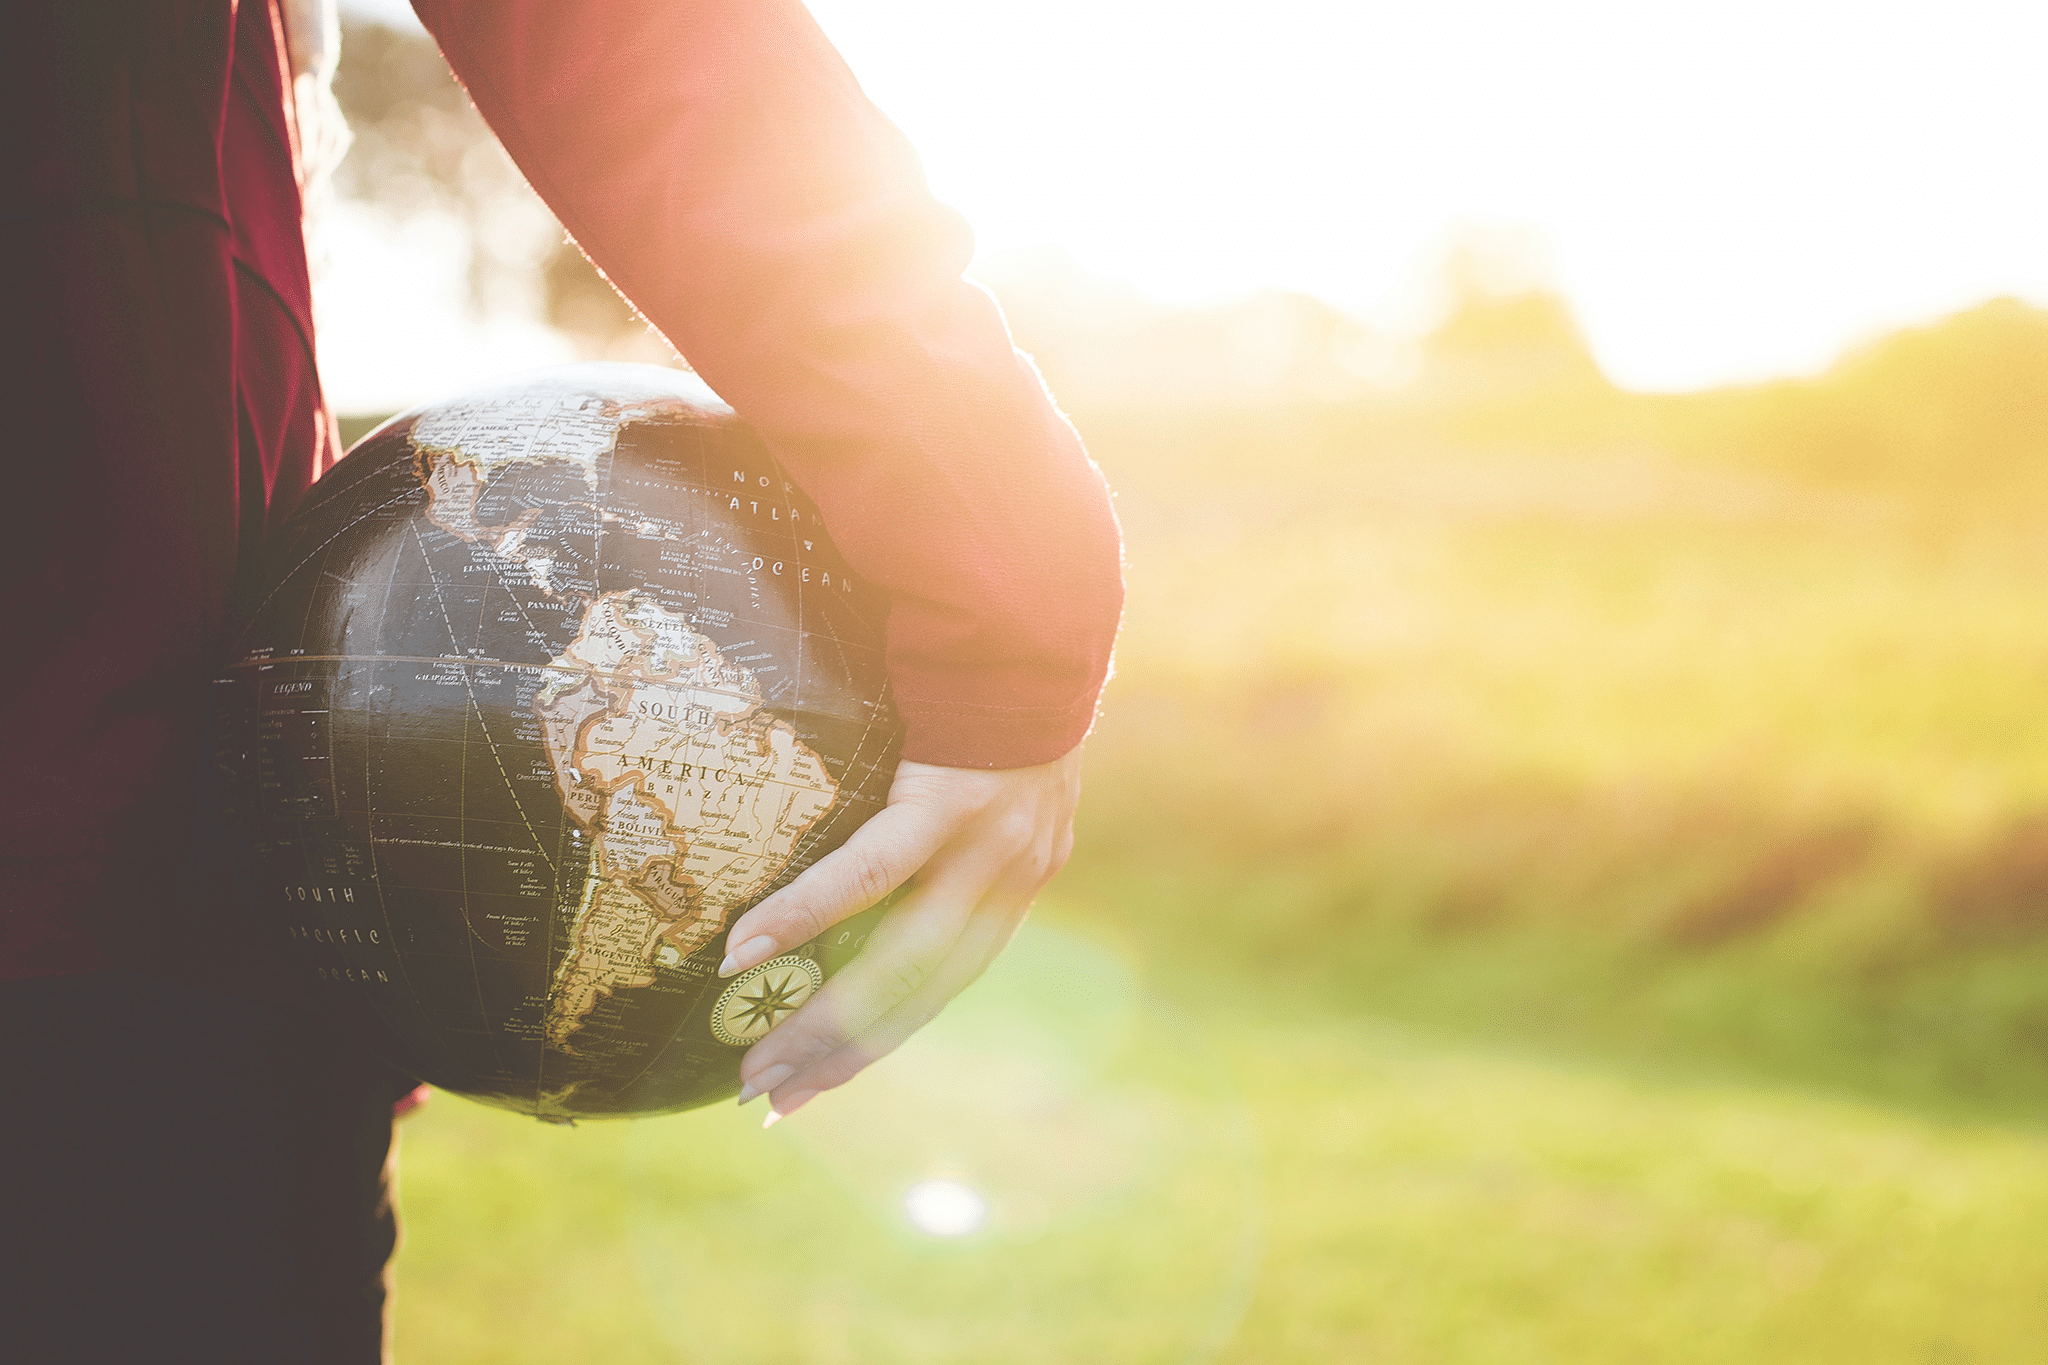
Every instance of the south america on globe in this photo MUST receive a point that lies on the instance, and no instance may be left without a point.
(536, 693)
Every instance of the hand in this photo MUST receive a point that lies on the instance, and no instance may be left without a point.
(975, 847)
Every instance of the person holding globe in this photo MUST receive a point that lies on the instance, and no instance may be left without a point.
(197, 1167)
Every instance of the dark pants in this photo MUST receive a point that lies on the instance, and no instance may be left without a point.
(188, 1176)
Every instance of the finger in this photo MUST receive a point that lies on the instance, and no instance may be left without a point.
(984, 918)
(880, 856)
(909, 944)
(984, 941)
(969, 958)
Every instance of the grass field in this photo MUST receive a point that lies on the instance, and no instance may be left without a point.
(1564, 878)
(1246, 1176)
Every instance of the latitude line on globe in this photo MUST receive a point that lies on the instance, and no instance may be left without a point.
(270, 661)
(258, 609)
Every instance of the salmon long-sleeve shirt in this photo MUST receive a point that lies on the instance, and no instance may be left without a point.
(161, 411)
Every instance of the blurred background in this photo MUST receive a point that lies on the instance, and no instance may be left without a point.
(1564, 873)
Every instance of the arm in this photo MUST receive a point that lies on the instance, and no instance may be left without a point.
(721, 166)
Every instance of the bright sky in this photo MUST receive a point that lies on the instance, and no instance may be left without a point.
(1724, 191)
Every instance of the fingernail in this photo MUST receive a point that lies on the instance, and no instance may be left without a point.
(788, 1107)
(757, 949)
(767, 1081)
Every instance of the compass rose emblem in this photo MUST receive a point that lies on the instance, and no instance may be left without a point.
(763, 997)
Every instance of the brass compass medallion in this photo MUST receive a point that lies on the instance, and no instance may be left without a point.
(762, 997)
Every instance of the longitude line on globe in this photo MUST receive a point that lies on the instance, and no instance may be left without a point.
(370, 834)
(285, 579)
(537, 633)
(462, 787)
(703, 480)
(484, 725)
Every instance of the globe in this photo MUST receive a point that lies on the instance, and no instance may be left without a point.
(539, 690)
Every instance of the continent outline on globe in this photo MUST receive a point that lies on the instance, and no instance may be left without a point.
(674, 694)
(661, 884)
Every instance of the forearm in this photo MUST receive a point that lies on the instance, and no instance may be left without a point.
(720, 164)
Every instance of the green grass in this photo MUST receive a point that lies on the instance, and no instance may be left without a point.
(1185, 1167)
(1436, 1204)
(1099, 1127)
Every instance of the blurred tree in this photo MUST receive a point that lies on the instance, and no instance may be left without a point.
(1956, 410)
(1970, 390)
(1102, 344)
(1504, 330)
(420, 148)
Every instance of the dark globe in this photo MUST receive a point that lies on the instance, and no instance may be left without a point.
(540, 689)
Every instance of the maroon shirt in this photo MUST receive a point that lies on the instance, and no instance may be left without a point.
(161, 411)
